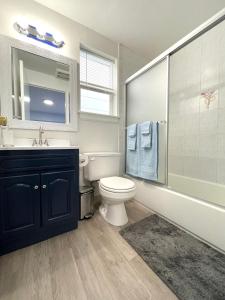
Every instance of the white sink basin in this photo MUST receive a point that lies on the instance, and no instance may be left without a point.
(38, 147)
(45, 147)
(26, 144)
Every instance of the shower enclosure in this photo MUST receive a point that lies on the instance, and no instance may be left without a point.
(184, 89)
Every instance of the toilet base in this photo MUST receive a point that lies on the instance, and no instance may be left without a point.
(114, 214)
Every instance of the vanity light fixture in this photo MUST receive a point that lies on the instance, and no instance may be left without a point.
(48, 102)
(32, 32)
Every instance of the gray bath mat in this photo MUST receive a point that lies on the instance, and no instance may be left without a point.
(190, 268)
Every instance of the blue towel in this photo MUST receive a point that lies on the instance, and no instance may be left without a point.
(132, 153)
(146, 134)
(132, 137)
(145, 127)
(132, 130)
(148, 157)
(131, 143)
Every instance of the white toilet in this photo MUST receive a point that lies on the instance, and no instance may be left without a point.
(115, 190)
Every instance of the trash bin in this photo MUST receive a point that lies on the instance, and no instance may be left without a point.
(86, 202)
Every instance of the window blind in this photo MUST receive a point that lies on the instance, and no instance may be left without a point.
(95, 102)
(96, 70)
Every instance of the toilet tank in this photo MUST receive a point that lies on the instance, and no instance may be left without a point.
(102, 164)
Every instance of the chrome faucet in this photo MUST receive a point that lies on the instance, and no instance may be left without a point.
(41, 132)
(40, 142)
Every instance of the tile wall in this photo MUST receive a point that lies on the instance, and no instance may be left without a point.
(197, 127)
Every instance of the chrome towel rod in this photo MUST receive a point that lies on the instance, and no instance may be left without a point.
(161, 122)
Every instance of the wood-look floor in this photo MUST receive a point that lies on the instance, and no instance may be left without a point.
(92, 262)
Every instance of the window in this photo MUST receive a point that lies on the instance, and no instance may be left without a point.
(98, 86)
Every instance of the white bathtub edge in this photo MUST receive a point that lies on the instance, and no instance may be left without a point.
(202, 219)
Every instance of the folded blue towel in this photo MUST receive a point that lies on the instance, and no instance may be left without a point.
(132, 137)
(131, 143)
(132, 163)
(146, 134)
(145, 127)
(132, 130)
(132, 153)
(148, 157)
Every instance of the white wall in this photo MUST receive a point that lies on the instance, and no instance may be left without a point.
(94, 134)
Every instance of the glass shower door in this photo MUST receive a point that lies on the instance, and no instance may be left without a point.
(147, 98)
(196, 156)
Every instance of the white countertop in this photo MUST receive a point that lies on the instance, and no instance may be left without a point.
(38, 148)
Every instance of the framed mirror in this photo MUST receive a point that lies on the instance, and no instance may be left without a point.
(39, 87)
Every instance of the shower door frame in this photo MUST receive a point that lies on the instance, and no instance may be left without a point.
(206, 26)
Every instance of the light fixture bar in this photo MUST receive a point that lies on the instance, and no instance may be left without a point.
(32, 32)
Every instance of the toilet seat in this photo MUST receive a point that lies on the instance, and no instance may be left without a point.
(116, 197)
(117, 184)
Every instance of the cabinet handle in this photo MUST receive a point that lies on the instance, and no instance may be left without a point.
(44, 186)
(36, 187)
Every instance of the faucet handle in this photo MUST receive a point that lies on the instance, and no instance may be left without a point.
(46, 142)
(34, 142)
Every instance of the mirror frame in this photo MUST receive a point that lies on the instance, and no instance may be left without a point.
(6, 107)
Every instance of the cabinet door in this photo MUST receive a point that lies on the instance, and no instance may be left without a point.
(58, 197)
(19, 205)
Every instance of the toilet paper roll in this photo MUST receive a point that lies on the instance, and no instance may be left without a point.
(83, 160)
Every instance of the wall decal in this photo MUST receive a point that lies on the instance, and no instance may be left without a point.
(209, 97)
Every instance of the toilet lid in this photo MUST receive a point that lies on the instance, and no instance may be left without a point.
(117, 183)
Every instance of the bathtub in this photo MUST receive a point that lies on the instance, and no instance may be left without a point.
(203, 219)
(201, 189)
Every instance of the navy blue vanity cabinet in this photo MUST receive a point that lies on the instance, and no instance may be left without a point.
(39, 195)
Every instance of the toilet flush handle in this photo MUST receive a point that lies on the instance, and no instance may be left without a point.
(92, 158)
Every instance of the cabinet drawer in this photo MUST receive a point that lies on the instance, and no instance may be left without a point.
(28, 160)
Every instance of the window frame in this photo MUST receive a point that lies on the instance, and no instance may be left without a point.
(112, 92)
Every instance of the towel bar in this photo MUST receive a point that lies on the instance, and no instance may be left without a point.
(161, 122)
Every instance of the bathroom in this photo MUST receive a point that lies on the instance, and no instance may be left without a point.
(81, 215)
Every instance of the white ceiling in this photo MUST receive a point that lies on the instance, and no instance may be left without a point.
(146, 26)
